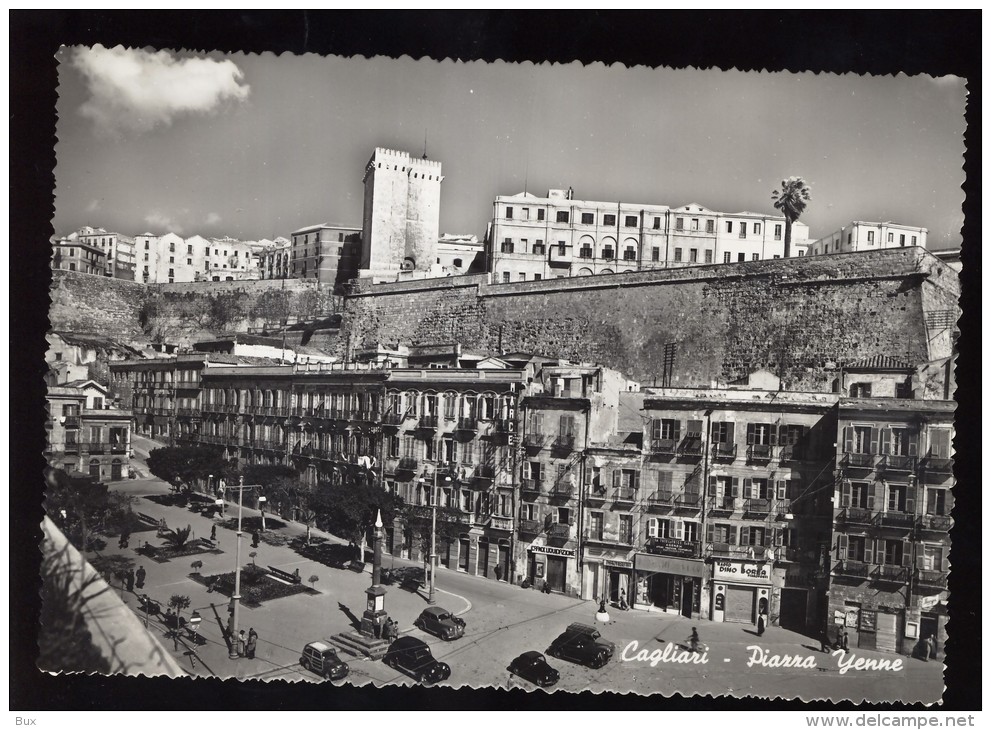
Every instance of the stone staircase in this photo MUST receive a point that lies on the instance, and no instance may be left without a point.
(361, 646)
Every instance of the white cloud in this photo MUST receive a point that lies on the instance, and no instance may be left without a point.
(212, 218)
(94, 205)
(163, 222)
(136, 90)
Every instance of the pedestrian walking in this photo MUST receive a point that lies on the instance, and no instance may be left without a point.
(139, 577)
(213, 533)
(230, 626)
(623, 605)
(130, 580)
(242, 641)
(824, 643)
(761, 622)
(252, 644)
(254, 538)
(844, 641)
(498, 571)
(927, 647)
(693, 640)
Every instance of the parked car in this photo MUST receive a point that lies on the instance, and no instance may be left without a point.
(322, 659)
(532, 666)
(440, 622)
(581, 646)
(413, 656)
(593, 632)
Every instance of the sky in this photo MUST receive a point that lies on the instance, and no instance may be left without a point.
(257, 146)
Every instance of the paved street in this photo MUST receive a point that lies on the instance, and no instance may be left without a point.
(502, 622)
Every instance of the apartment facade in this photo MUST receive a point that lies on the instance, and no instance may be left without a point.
(74, 255)
(86, 434)
(867, 236)
(273, 259)
(531, 238)
(326, 252)
(892, 503)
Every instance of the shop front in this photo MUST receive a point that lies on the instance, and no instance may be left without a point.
(741, 589)
(669, 584)
(552, 567)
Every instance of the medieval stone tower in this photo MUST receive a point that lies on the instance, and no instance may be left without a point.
(401, 216)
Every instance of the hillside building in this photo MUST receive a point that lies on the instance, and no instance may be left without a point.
(327, 252)
(85, 434)
(864, 236)
(74, 255)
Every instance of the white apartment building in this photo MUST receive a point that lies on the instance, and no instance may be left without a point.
(532, 238)
(170, 258)
(118, 249)
(867, 236)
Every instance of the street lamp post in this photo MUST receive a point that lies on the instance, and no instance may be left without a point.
(433, 535)
(236, 598)
(261, 507)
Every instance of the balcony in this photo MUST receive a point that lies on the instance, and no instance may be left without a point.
(96, 448)
(759, 453)
(393, 419)
(936, 523)
(890, 574)
(858, 461)
(467, 424)
(559, 532)
(71, 448)
(499, 522)
(789, 555)
(688, 502)
(563, 490)
(673, 548)
(757, 507)
(782, 507)
(851, 568)
(408, 463)
(660, 502)
(933, 578)
(608, 539)
(530, 527)
(663, 447)
(530, 487)
(564, 443)
(691, 448)
(534, 440)
(211, 407)
(899, 520)
(897, 464)
(366, 416)
(724, 452)
(558, 257)
(117, 448)
(188, 412)
(427, 423)
(724, 505)
(791, 453)
(624, 497)
(855, 516)
(70, 421)
(936, 465)
(725, 550)
(596, 497)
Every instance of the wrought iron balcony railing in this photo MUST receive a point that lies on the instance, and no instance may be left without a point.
(724, 452)
(759, 453)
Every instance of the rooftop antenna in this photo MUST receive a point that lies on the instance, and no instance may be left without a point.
(526, 174)
(424, 144)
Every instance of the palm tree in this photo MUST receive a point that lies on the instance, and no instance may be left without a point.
(791, 201)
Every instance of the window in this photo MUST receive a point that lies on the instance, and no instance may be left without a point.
(523, 244)
(608, 254)
(708, 256)
(509, 213)
(914, 240)
(526, 214)
(710, 226)
(897, 498)
(626, 529)
(588, 218)
(540, 214)
(537, 277)
(891, 238)
(340, 238)
(528, 512)
(562, 248)
(726, 257)
(657, 223)
(146, 245)
(743, 229)
(870, 237)
(826, 249)
(146, 257)
(860, 390)
(754, 536)
(677, 254)
(506, 246)
(856, 548)
(522, 276)
(901, 240)
(679, 224)
(932, 557)
(756, 229)
(72, 266)
(756, 257)
(562, 216)
(729, 226)
(777, 232)
(609, 219)
(563, 516)
(631, 221)
(894, 551)
(741, 257)
(695, 224)
(189, 262)
(595, 526)
(760, 434)
(666, 429)
(722, 533)
(505, 277)
(171, 259)
(693, 255)
(655, 254)
(722, 432)
(630, 254)
(538, 246)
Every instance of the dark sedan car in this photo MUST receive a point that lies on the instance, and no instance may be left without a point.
(413, 657)
(322, 659)
(440, 622)
(532, 667)
(582, 647)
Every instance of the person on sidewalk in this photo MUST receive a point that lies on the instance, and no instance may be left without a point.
(623, 605)
(140, 577)
(130, 580)
(254, 538)
(252, 644)
(761, 622)
(844, 640)
(213, 533)
(242, 641)
(824, 643)
(693, 640)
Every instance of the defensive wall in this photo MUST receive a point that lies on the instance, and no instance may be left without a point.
(797, 317)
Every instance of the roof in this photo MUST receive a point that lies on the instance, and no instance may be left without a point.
(879, 362)
(319, 645)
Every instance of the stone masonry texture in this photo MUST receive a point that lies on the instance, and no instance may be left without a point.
(796, 317)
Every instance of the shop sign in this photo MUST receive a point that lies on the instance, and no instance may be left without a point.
(618, 564)
(563, 552)
(735, 570)
(672, 566)
(675, 548)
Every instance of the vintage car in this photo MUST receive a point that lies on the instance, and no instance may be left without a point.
(413, 656)
(532, 667)
(440, 622)
(322, 658)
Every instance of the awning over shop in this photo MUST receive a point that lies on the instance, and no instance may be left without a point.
(674, 566)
